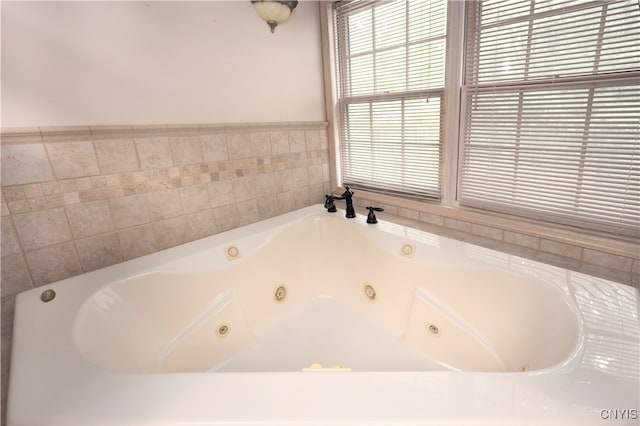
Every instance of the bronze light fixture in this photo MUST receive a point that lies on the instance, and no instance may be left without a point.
(274, 12)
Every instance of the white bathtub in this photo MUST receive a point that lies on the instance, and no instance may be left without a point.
(313, 319)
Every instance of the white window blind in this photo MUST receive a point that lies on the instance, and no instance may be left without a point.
(391, 57)
(551, 111)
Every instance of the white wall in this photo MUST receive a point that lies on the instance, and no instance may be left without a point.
(110, 63)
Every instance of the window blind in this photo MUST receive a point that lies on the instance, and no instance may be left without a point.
(391, 57)
(551, 112)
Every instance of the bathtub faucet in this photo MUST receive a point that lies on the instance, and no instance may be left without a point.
(347, 196)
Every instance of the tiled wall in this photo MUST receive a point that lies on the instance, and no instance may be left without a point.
(619, 261)
(79, 199)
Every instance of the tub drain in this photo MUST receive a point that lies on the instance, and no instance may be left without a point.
(369, 292)
(279, 294)
(223, 330)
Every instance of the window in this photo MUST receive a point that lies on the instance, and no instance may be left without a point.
(551, 117)
(549, 106)
(391, 57)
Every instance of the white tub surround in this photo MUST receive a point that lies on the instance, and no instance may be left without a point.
(312, 318)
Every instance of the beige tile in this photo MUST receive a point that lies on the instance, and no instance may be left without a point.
(113, 180)
(486, 231)
(13, 193)
(283, 180)
(250, 187)
(7, 310)
(170, 232)
(194, 198)
(50, 188)
(296, 141)
(29, 205)
(42, 228)
(164, 204)
(214, 148)
(201, 224)
(432, 219)
(53, 263)
(15, 277)
(409, 213)
(565, 250)
(68, 185)
(324, 139)
(33, 190)
(300, 177)
(129, 211)
(518, 250)
(220, 193)
(154, 153)
(185, 150)
(316, 193)
(116, 155)
(326, 172)
(279, 142)
(99, 251)
(72, 159)
(138, 241)
(315, 174)
(55, 200)
(88, 219)
(304, 198)
(247, 212)
(260, 143)
(607, 260)
(9, 239)
(267, 207)
(557, 260)
(521, 239)
(458, 225)
(238, 145)
(26, 163)
(71, 198)
(312, 138)
(613, 274)
(286, 202)
(225, 217)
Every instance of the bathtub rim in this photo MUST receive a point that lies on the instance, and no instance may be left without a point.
(64, 285)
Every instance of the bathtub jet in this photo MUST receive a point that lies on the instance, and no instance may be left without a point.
(245, 327)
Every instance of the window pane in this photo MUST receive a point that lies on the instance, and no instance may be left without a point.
(391, 58)
(551, 122)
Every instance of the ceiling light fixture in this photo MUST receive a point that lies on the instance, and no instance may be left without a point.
(274, 12)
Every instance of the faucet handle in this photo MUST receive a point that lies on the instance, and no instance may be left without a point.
(371, 217)
(328, 204)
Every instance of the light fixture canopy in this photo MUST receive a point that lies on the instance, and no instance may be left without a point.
(274, 12)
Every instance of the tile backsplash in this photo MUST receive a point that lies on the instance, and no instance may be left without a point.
(79, 199)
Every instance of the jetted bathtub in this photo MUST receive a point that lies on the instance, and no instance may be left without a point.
(310, 318)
